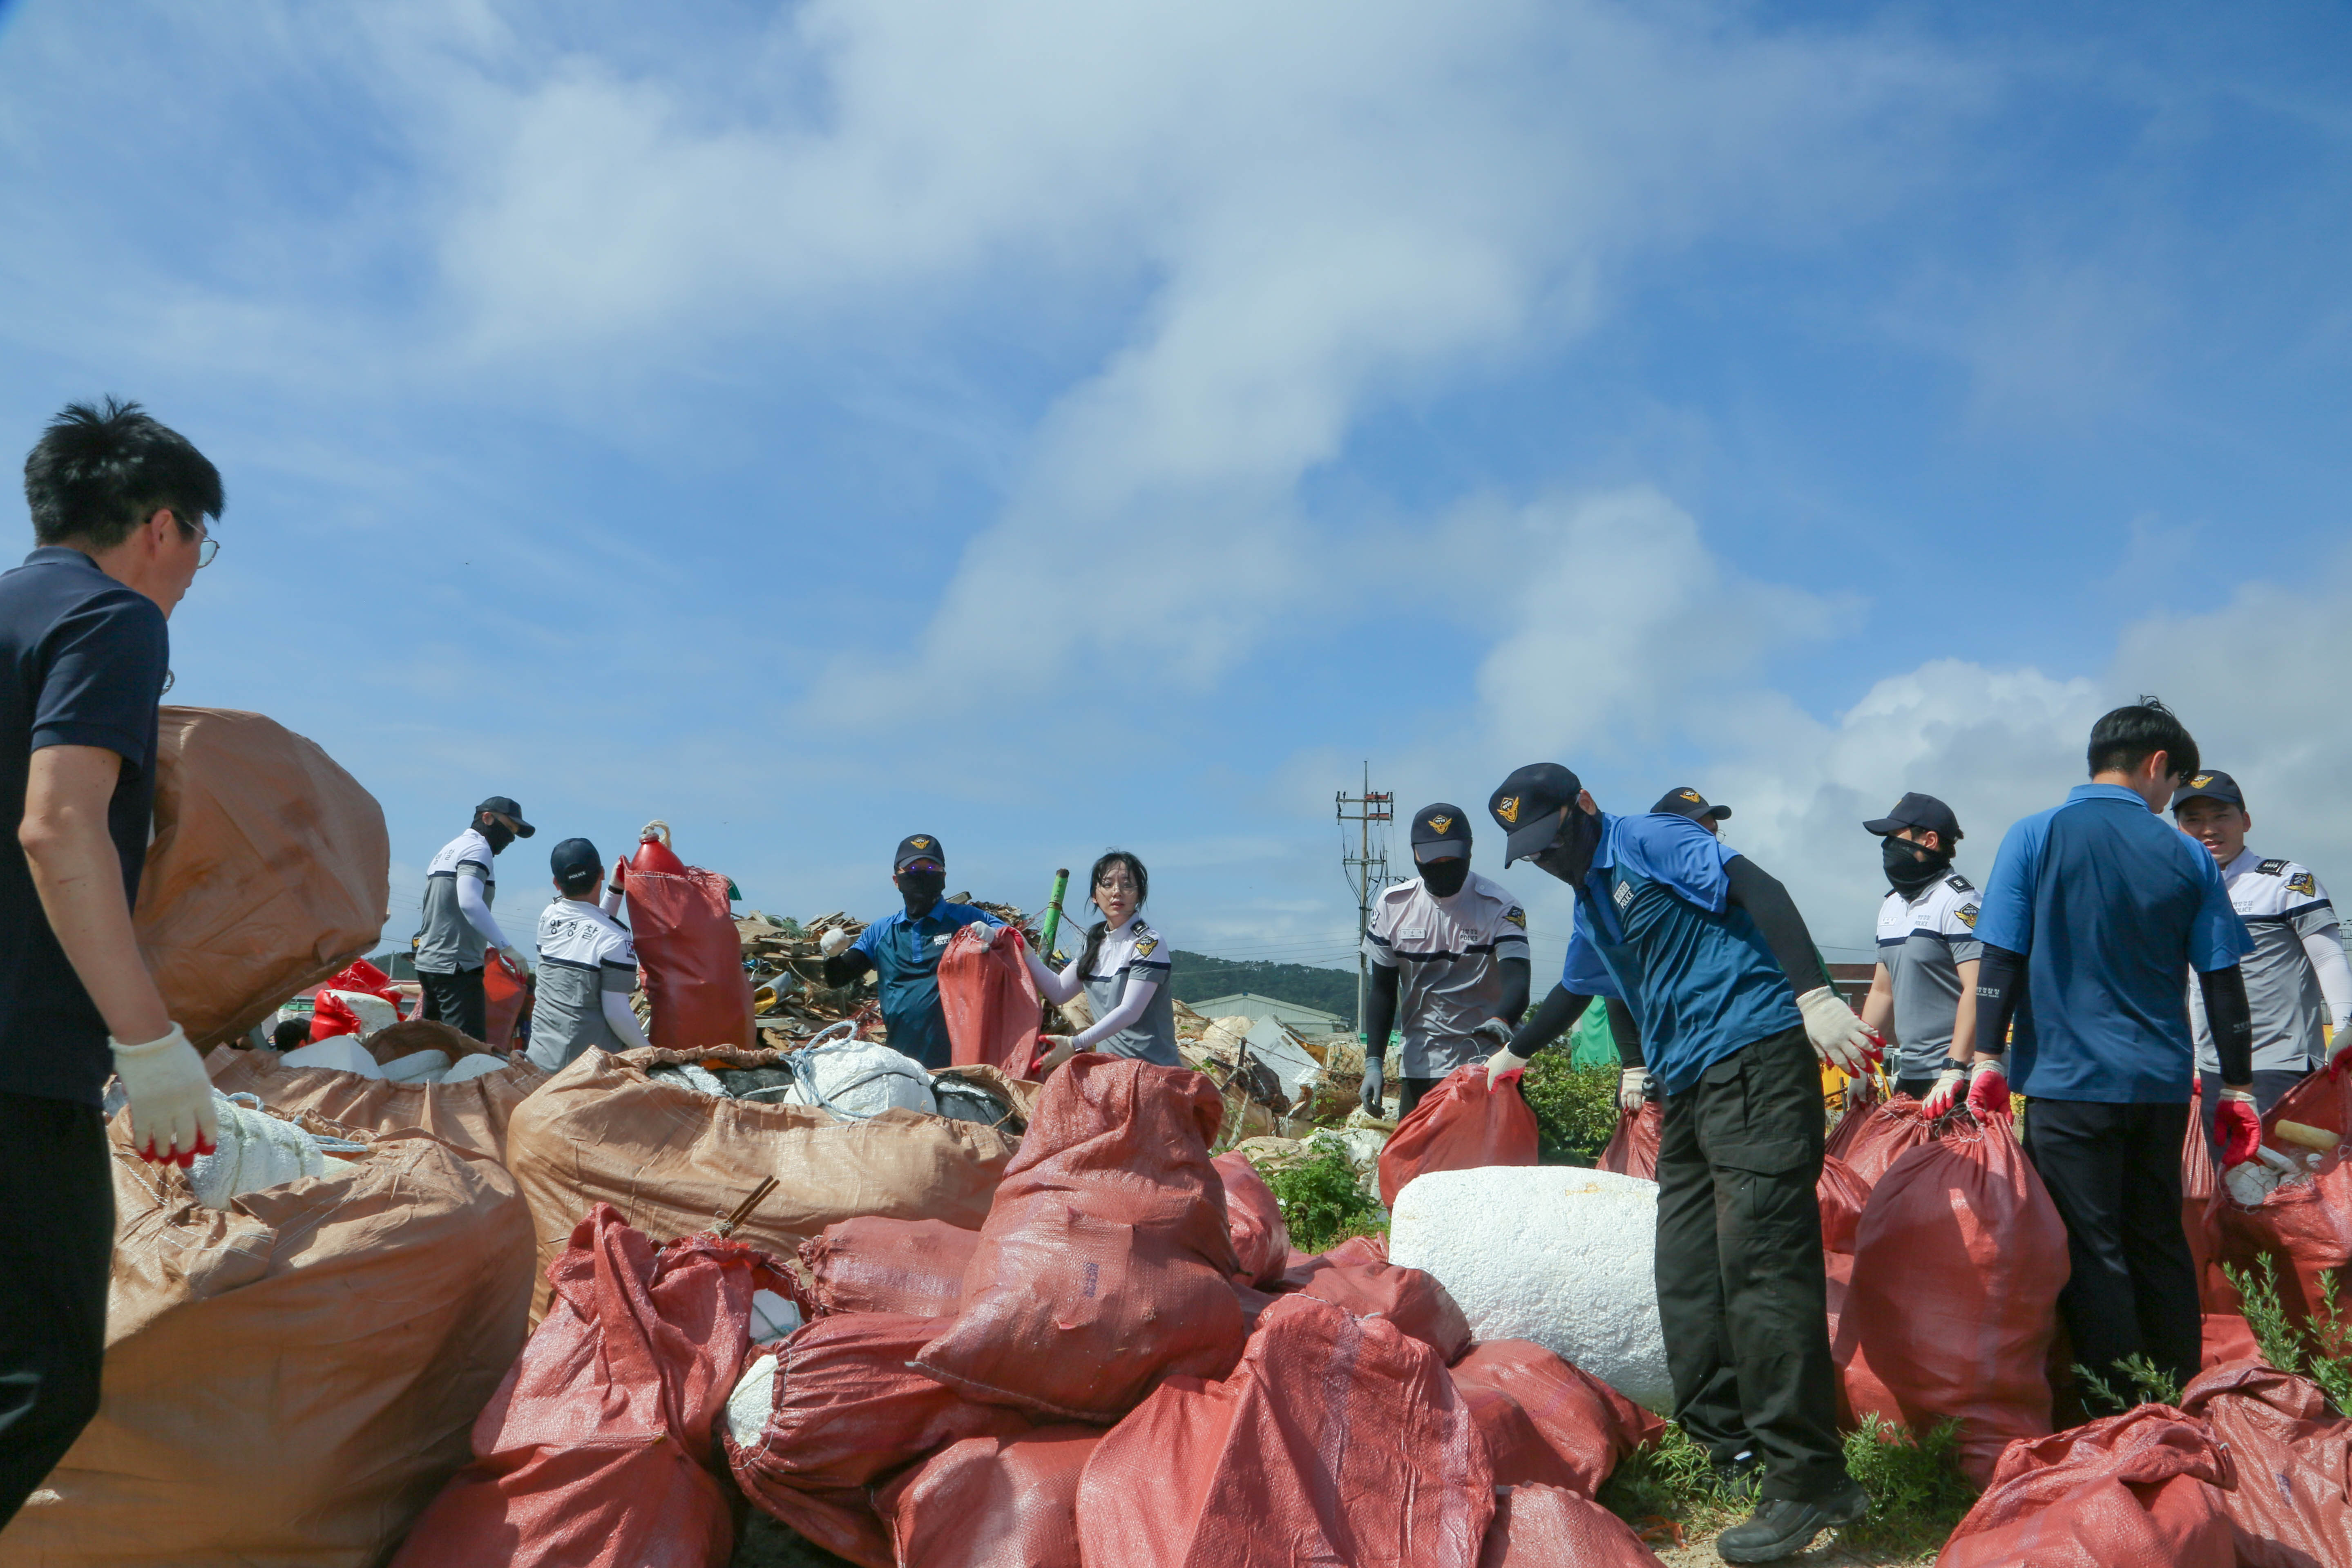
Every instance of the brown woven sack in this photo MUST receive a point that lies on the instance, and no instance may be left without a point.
(673, 1160)
(268, 872)
(291, 1379)
(473, 1113)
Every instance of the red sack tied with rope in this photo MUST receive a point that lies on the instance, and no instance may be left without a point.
(911, 1267)
(2147, 1488)
(989, 998)
(689, 948)
(1633, 1151)
(1461, 1125)
(2294, 1464)
(1545, 1422)
(1357, 1277)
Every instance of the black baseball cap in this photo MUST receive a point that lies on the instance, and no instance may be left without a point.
(1525, 805)
(505, 806)
(1685, 801)
(2212, 786)
(1440, 832)
(1920, 811)
(576, 863)
(918, 846)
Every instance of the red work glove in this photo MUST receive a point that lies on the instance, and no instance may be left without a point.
(620, 878)
(2239, 1125)
(1950, 1085)
(1988, 1091)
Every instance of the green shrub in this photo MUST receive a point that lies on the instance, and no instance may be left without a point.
(2321, 1349)
(1323, 1202)
(1576, 1108)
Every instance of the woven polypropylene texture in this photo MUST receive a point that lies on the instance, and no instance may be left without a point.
(1843, 1195)
(993, 1503)
(1545, 1526)
(988, 998)
(1462, 1124)
(911, 1267)
(1105, 1261)
(693, 958)
(2144, 1487)
(1870, 1137)
(2294, 1461)
(1337, 1440)
(1544, 1422)
(1633, 1151)
(1254, 1220)
(1369, 1287)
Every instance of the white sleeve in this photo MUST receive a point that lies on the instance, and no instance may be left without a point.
(1128, 1012)
(611, 902)
(2326, 948)
(1057, 988)
(477, 913)
(624, 1022)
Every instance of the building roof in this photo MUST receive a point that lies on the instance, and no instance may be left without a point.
(1249, 1004)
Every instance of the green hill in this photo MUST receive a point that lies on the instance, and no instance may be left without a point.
(1195, 977)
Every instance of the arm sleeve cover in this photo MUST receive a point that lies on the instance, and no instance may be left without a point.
(623, 1022)
(1625, 1033)
(2000, 980)
(1558, 1014)
(1783, 929)
(1124, 1016)
(1515, 990)
(2325, 948)
(846, 966)
(1380, 1009)
(477, 913)
(1058, 988)
(2232, 1021)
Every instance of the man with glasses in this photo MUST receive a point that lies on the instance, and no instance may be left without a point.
(903, 950)
(118, 504)
(459, 932)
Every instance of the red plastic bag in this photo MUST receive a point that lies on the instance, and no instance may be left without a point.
(1634, 1151)
(1957, 1268)
(1842, 1196)
(1545, 1526)
(690, 952)
(993, 1503)
(1881, 1135)
(595, 1449)
(1858, 1392)
(504, 995)
(1545, 1423)
(2306, 1223)
(1337, 1440)
(2295, 1463)
(990, 999)
(1254, 1220)
(913, 1267)
(1460, 1125)
(847, 1412)
(1356, 1274)
(331, 1015)
(2143, 1488)
(1105, 1264)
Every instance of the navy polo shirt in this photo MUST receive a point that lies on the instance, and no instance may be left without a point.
(81, 664)
(1655, 926)
(2110, 904)
(906, 954)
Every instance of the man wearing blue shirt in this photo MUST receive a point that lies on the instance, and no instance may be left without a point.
(903, 950)
(1736, 1017)
(2092, 910)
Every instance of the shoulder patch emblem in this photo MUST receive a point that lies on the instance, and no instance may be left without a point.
(1508, 809)
(1967, 915)
(1143, 949)
(2303, 882)
(1516, 915)
(2270, 868)
(1959, 883)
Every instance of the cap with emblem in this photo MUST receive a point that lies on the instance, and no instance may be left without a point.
(1440, 832)
(1685, 801)
(918, 846)
(575, 864)
(1526, 804)
(505, 806)
(2212, 786)
(1921, 811)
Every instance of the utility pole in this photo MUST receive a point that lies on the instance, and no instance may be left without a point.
(1367, 872)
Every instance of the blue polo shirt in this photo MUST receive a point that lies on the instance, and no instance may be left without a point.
(1654, 928)
(906, 954)
(2110, 904)
(81, 664)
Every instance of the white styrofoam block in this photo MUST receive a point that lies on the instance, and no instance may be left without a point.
(475, 1063)
(425, 1065)
(341, 1052)
(752, 1402)
(773, 1317)
(1547, 1253)
(372, 1011)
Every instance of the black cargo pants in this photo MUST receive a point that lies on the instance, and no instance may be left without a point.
(57, 1237)
(1741, 1295)
(458, 1000)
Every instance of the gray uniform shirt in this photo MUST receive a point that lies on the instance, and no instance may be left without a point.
(1448, 954)
(1135, 953)
(1923, 941)
(583, 954)
(447, 941)
(2281, 903)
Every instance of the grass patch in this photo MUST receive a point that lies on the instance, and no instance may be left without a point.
(1323, 1200)
(2321, 1349)
(1576, 1108)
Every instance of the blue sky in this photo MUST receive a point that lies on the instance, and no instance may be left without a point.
(1058, 424)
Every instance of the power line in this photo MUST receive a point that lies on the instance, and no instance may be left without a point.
(1366, 869)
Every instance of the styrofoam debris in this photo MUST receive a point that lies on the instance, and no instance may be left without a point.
(773, 1317)
(692, 1076)
(860, 1077)
(426, 1066)
(475, 1063)
(341, 1052)
(372, 1011)
(752, 1402)
(256, 1151)
(1559, 1256)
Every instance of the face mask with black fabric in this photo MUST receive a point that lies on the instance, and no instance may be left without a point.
(1444, 878)
(499, 834)
(1569, 855)
(921, 889)
(1906, 873)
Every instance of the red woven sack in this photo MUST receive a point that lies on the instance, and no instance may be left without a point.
(1337, 1440)
(1842, 1196)
(1633, 1151)
(1957, 1270)
(692, 958)
(1545, 1526)
(1254, 1220)
(1882, 1135)
(1858, 1392)
(1105, 1264)
(1460, 1125)
(911, 1267)
(2307, 1224)
(993, 1503)
(504, 995)
(2294, 1462)
(988, 998)
(849, 1410)
(594, 1451)
(1350, 1276)
(1545, 1422)
(2143, 1488)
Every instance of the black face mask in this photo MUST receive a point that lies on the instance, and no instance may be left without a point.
(1568, 856)
(499, 834)
(1906, 873)
(1444, 878)
(921, 889)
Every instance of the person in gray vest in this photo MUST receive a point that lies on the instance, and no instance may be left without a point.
(1123, 970)
(587, 965)
(1922, 995)
(459, 932)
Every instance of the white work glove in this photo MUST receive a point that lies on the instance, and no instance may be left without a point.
(1368, 1094)
(1501, 1062)
(1840, 1038)
(171, 1117)
(1951, 1084)
(833, 943)
(1633, 1088)
(515, 960)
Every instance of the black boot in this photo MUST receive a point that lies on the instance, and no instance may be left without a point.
(1782, 1528)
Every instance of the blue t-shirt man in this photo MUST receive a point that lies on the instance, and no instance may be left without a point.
(903, 950)
(2108, 902)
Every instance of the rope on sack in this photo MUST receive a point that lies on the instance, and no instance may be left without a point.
(655, 829)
